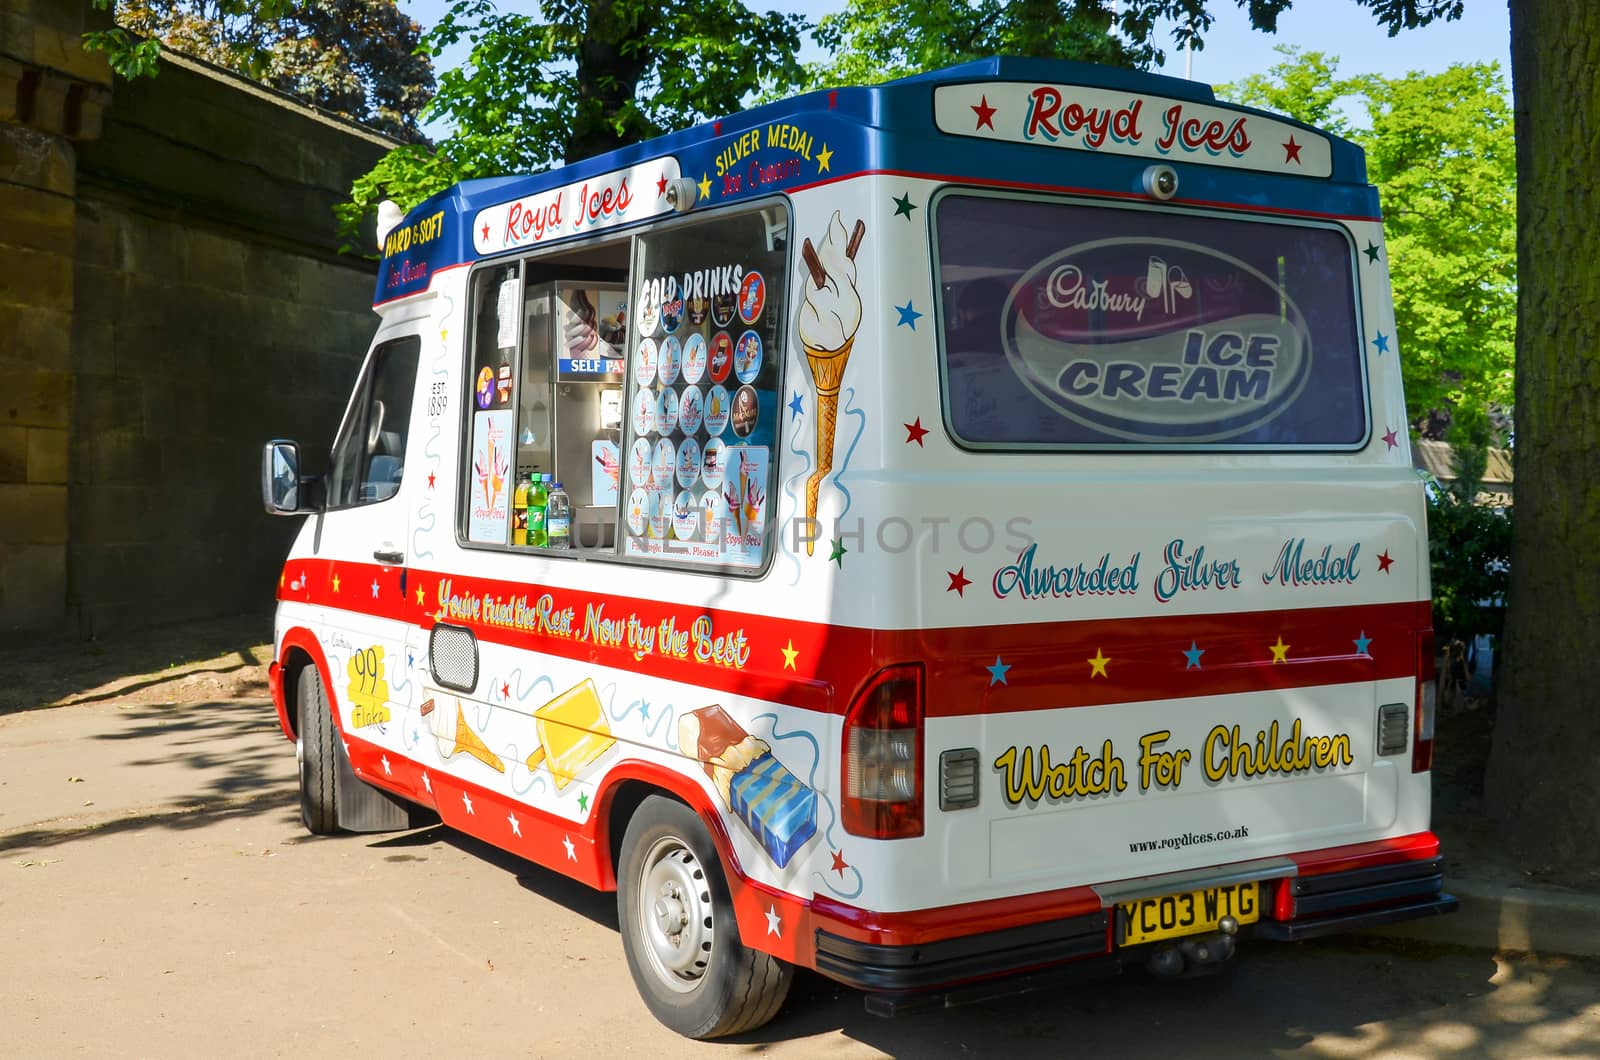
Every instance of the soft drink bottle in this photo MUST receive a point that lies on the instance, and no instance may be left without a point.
(538, 497)
(519, 511)
(558, 518)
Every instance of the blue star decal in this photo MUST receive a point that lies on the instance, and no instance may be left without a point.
(644, 710)
(1382, 342)
(997, 672)
(1193, 655)
(794, 404)
(1362, 643)
(908, 315)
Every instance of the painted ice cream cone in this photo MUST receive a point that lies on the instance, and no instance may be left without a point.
(829, 318)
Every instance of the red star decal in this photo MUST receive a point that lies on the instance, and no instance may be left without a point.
(486, 233)
(985, 114)
(839, 863)
(958, 582)
(1291, 152)
(833, 99)
(1390, 440)
(1385, 561)
(915, 432)
(716, 128)
(505, 690)
(430, 480)
(661, 186)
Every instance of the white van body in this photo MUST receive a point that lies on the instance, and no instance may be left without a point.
(1053, 591)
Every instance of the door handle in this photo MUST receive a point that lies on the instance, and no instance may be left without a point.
(392, 557)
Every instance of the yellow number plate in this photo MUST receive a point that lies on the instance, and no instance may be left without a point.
(1175, 915)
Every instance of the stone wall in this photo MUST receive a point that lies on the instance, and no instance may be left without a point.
(177, 297)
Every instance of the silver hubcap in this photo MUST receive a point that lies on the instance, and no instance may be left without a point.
(674, 913)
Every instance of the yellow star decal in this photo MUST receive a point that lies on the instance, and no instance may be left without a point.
(281, 577)
(1280, 650)
(421, 599)
(789, 654)
(1097, 665)
(824, 156)
(335, 583)
(705, 186)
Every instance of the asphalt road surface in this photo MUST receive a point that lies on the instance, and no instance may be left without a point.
(158, 897)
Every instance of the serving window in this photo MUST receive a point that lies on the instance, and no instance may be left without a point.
(650, 393)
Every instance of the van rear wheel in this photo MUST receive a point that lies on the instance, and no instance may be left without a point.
(679, 933)
(317, 749)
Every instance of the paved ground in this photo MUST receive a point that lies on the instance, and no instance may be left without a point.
(158, 897)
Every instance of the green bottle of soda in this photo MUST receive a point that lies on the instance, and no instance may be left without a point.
(538, 498)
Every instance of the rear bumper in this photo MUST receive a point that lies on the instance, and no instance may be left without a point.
(907, 970)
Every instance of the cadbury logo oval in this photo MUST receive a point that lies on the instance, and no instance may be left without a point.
(1156, 340)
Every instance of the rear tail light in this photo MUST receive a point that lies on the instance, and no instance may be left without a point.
(1427, 689)
(883, 756)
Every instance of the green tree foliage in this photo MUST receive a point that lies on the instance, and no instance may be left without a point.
(578, 78)
(1440, 149)
(356, 58)
(1469, 544)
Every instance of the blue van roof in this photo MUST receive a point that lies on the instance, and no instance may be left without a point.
(832, 134)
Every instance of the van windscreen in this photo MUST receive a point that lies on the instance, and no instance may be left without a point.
(1070, 326)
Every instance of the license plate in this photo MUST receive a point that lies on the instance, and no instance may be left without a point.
(1175, 915)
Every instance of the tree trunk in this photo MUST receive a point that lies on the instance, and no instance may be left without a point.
(1543, 783)
(608, 79)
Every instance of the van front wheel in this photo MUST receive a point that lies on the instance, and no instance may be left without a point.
(316, 750)
(679, 932)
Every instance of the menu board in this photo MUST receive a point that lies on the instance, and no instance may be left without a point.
(702, 409)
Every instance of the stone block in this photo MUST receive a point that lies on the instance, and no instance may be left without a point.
(13, 454)
(34, 397)
(37, 220)
(37, 278)
(109, 403)
(33, 515)
(47, 456)
(99, 235)
(33, 588)
(211, 260)
(35, 337)
(125, 458)
(37, 160)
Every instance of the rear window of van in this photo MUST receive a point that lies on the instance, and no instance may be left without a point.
(1073, 326)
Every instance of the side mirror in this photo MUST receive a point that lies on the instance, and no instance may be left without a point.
(282, 491)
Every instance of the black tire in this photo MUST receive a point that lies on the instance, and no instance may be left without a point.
(706, 984)
(318, 748)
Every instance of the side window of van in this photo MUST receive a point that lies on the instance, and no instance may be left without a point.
(369, 455)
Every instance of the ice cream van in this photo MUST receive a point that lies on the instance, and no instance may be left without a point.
(994, 554)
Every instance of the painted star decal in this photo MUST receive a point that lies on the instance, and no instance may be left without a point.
(1362, 643)
(958, 582)
(583, 801)
(572, 851)
(1291, 152)
(1390, 439)
(838, 552)
(908, 315)
(839, 863)
(486, 233)
(335, 583)
(1193, 655)
(427, 784)
(1097, 665)
(661, 186)
(516, 825)
(1385, 561)
(386, 770)
(985, 114)
(431, 478)
(997, 672)
(824, 157)
(422, 598)
(505, 690)
(789, 654)
(796, 406)
(467, 799)
(903, 206)
(705, 186)
(833, 98)
(374, 588)
(915, 432)
(1381, 342)
(773, 921)
(1280, 650)
(1371, 252)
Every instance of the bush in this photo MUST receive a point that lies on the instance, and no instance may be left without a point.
(1469, 544)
